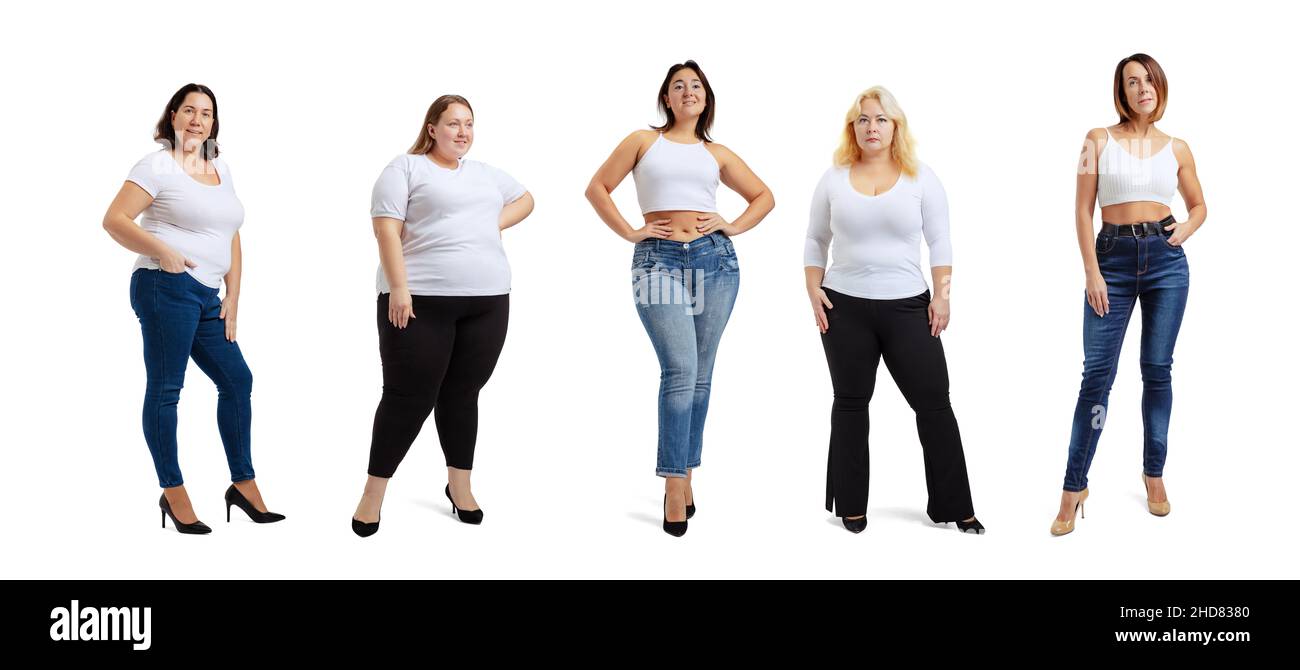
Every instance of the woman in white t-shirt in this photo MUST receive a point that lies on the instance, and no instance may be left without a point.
(444, 299)
(188, 244)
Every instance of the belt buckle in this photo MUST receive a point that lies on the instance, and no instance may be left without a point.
(1140, 230)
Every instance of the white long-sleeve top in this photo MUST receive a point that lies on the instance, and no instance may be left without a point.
(877, 238)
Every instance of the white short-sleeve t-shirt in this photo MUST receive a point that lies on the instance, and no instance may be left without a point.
(451, 235)
(197, 220)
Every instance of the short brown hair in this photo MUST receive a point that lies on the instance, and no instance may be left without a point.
(424, 143)
(1127, 114)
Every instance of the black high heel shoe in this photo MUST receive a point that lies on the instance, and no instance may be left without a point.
(234, 497)
(674, 528)
(973, 527)
(474, 517)
(854, 525)
(196, 528)
(365, 529)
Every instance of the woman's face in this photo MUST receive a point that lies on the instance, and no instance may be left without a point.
(686, 96)
(1139, 90)
(874, 130)
(192, 121)
(453, 132)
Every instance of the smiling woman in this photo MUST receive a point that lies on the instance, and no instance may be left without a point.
(188, 244)
(683, 253)
(443, 301)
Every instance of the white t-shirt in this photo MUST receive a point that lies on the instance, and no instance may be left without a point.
(877, 238)
(451, 235)
(197, 220)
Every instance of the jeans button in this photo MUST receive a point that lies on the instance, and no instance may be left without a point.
(686, 245)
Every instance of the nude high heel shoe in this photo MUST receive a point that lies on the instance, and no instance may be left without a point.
(1066, 527)
(1156, 508)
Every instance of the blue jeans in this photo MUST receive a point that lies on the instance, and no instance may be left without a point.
(1149, 271)
(180, 319)
(684, 293)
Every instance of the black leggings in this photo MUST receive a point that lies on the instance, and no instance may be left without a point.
(437, 363)
(860, 332)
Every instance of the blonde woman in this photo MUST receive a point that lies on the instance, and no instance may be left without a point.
(876, 203)
(1132, 170)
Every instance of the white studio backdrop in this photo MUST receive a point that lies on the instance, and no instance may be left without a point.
(316, 98)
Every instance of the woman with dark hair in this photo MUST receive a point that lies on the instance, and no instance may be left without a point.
(444, 299)
(188, 244)
(1132, 170)
(684, 269)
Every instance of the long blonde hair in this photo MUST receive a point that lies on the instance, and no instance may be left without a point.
(903, 147)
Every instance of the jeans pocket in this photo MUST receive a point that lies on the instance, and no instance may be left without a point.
(1176, 247)
(135, 283)
(1105, 243)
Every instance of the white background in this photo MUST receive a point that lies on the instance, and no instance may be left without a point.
(316, 98)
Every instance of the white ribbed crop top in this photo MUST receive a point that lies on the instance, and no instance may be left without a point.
(676, 177)
(1123, 177)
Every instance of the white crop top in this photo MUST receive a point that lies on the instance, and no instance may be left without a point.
(676, 177)
(1123, 177)
(877, 239)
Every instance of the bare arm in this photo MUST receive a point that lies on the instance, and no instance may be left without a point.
(516, 211)
(388, 233)
(1085, 201)
(737, 176)
(230, 304)
(607, 178)
(236, 271)
(1189, 185)
(120, 223)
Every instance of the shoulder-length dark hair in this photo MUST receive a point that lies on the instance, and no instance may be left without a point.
(1158, 82)
(165, 133)
(424, 143)
(705, 120)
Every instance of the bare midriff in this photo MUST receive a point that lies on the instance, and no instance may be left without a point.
(683, 224)
(1134, 212)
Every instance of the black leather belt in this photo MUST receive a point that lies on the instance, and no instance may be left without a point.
(1137, 229)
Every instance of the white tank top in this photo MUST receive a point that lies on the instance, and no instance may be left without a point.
(1123, 177)
(676, 177)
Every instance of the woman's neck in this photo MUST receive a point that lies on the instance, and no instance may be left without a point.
(682, 133)
(443, 161)
(1139, 127)
(189, 157)
(876, 159)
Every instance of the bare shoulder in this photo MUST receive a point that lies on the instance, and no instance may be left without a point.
(1098, 136)
(1181, 150)
(721, 153)
(642, 137)
(638, 142)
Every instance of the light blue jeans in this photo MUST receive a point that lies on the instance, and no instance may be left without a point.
(684, 292)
